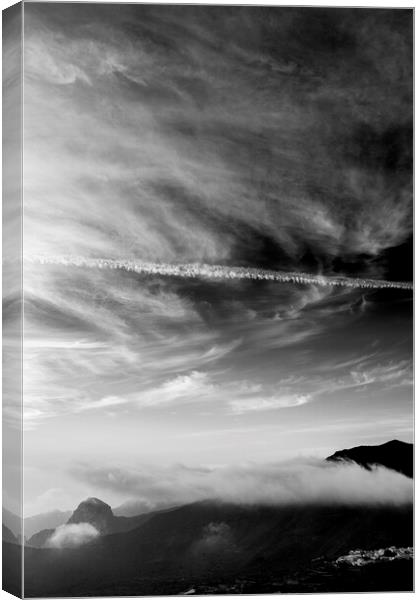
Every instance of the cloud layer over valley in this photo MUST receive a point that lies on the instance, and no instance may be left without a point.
(294, 482)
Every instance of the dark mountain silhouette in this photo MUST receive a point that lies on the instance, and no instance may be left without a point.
(211, 542)
(395, 455)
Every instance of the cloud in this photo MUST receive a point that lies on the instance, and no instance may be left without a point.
(72, 536)
(52, 67)
(82, 334)
(152, 145)
(384, 376)
(208, 167)
(52, 367)
(262, 404)
(395, 373)
(105, 402)
(187, 190)
(237, 397)
(185, 385)
(192, 387)
(191, 271)
(294, 482)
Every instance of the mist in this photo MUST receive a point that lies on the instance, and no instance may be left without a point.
(72, 535)
(296, 482)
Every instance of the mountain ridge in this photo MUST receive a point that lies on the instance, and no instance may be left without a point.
(34, 523)
(394, 454)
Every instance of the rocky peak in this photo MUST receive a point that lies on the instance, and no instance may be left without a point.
(94, 511)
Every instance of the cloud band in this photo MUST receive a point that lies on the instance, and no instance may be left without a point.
(223, 272)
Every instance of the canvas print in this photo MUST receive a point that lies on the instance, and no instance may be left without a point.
(208, 285)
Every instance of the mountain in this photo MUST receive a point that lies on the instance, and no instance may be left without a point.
(215, 547)
(132, 508)
(12, 522)
(97, 513)
(35, 523)
(395, 455)
(213, 542)
(38, 540)
(8, 536)
(100, 515)
(48, 520)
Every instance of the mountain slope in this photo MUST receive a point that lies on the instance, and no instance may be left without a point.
(39, 539)
(213, 542)
(8, 535)
(12, 521)
(35, 523)
(49, 520)
(395, 455)
(211, 545)
(133, 508)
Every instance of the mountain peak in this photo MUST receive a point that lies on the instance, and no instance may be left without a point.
(94, 511)
(395, 455)
(94, 501)
(396, 443)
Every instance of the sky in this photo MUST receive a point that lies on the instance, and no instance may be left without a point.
(261, 138)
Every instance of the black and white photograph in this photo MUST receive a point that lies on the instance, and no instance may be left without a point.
(207, 299)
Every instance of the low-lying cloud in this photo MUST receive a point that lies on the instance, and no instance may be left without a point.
(72, 535)
(295, 482)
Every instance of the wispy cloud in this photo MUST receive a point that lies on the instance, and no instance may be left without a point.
(186, 190)
(197, 387)
(207, 212)
(193, 387)
(271, 403)
(387, 376)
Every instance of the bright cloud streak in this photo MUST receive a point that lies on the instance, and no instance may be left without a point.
(205, 271)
